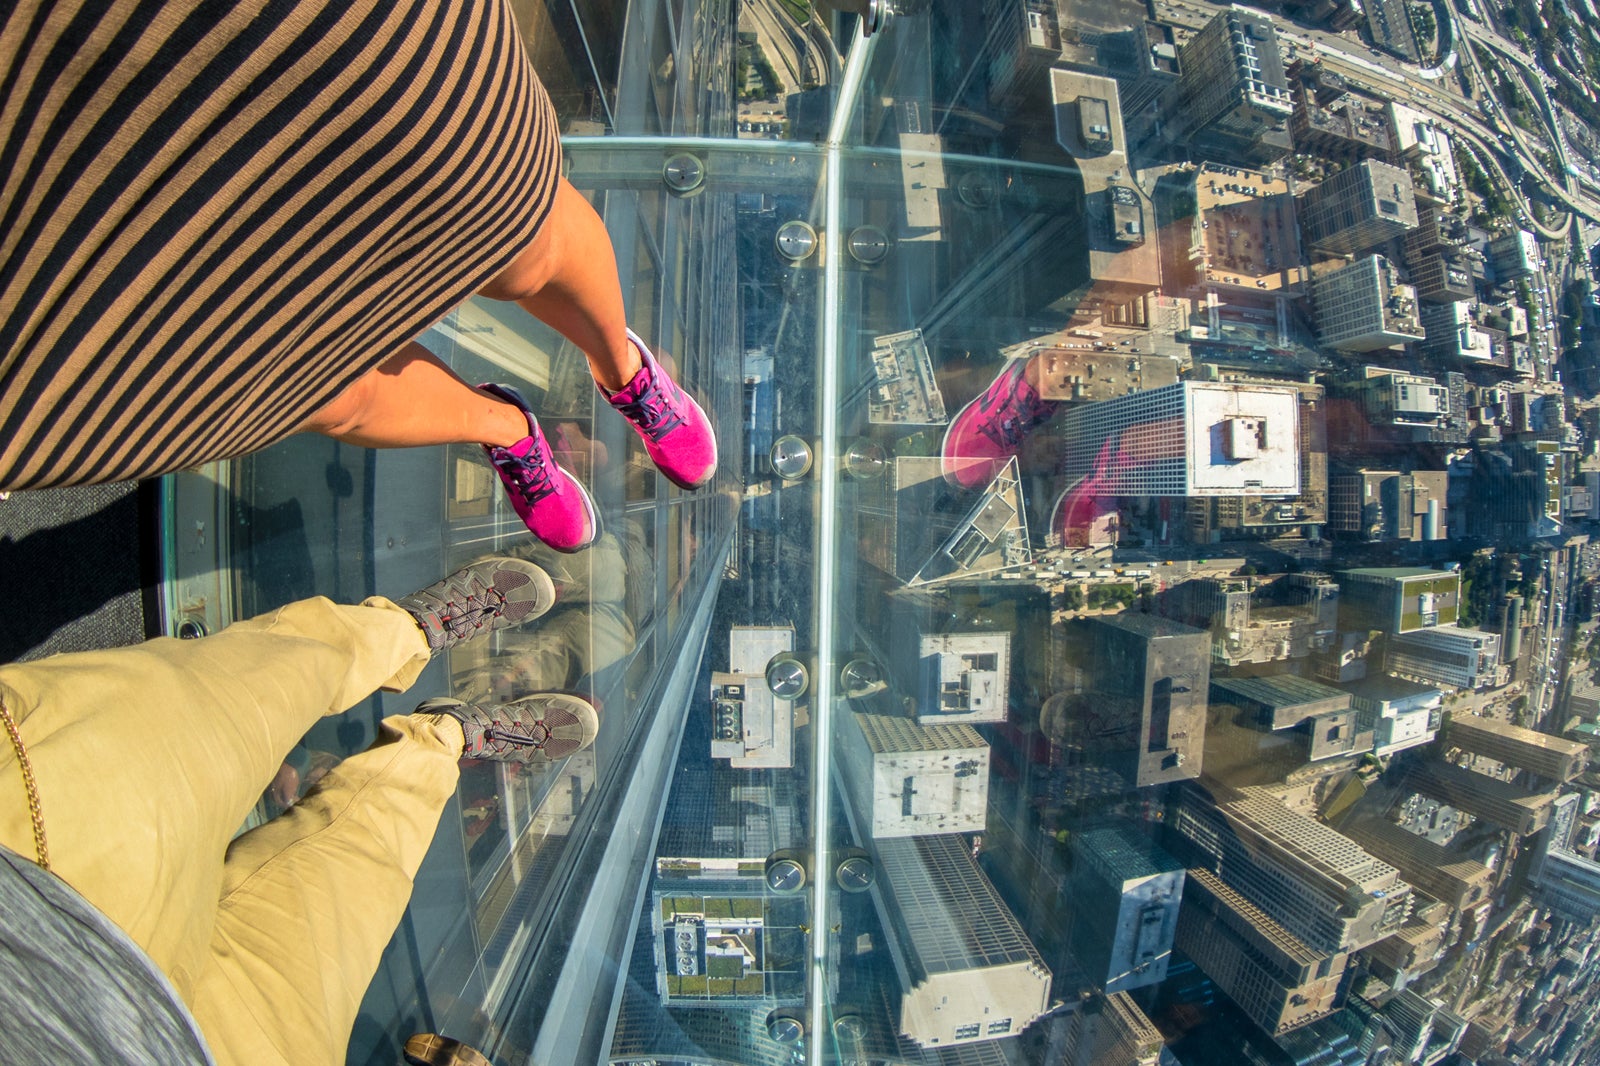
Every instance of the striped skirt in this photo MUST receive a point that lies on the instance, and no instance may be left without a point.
(215, 216)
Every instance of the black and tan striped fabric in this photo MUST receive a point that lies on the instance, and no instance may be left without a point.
(215, 216)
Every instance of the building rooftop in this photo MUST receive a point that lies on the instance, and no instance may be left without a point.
(1085, 375)
(886, 734)
(1245, 232)
(1147, 625)
(1122, 855)
(1244, 439)
(1398, 573)
(1387, 688)
(1281, 690)
(1468, 723)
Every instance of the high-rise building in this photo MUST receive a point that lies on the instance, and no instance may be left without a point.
(965, 677)
(1290, 618)
(1523, 813)
(1153, 72)
(1437, 257)
(1286, 702)
(1024, 39)
(908, 779)
(1539, 753)
(1232, 96)
(1399, 714)
(719, 937)
(967, 969)
(1388, 505)
(1431, 867)
(1127, 892)
(1275, 978)
(1111, 1029)
(1390, 397)
(1358, 208)
(1149, 677)
(1331, 121)
(1364, 306)
(1515, 255)
(752, 727)
(1440, 277)
(1452, 333)
(1415, 948)
(1570, 885)
(1213, 519)
(1188, 439)
(1447, 655)
(1421, 1027)
(1397, 599)
(1317, 883)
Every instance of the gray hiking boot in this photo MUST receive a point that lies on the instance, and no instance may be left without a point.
(536, 729)
(492, 594)
(431, 1049)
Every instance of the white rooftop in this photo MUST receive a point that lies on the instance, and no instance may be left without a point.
(1243, 439)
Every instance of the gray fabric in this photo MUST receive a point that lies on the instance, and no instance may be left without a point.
(73, 554)
(74, 989)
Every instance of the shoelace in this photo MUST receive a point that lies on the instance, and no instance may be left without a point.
(529, 474)
(651, 412)
(488, 603)
(496, 732)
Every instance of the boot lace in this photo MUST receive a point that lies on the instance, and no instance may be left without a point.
(651, 411)
(530, 475)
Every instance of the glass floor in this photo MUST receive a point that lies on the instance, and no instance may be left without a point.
(1115, 635)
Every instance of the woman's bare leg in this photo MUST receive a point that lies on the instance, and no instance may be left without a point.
(414, 399)
(567, 279)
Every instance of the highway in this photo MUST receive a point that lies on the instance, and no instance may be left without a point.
(1383, 76)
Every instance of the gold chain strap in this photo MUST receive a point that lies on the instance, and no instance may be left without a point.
(35, 811)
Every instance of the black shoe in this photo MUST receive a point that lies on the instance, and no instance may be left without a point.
(492, 594)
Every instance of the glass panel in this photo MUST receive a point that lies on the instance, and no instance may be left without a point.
(1150, 513)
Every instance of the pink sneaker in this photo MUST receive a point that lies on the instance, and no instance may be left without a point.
(676, 432)
(551, 502)
(989, 430)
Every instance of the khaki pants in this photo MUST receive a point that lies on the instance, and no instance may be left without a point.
(149, 758)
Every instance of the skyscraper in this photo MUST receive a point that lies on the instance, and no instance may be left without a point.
(1127, 894)
(1317, 883)
(964, 677)
(1432, 867)
(1365, 306)
(1232, 97)
(1549, 757)
(1358, 208)
(907, 779)
(1147, 718)
(967, 968)
(1397, 599)
(1447, 655)
(1188, 439)
(1112, 1029)
(1280, 982)
(1482, 796)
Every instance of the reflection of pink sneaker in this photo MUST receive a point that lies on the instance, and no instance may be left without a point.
(551, 502)
(989, 430)
(676, 432)
(1081, 507)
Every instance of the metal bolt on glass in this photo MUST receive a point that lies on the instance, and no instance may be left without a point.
(791, 458)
